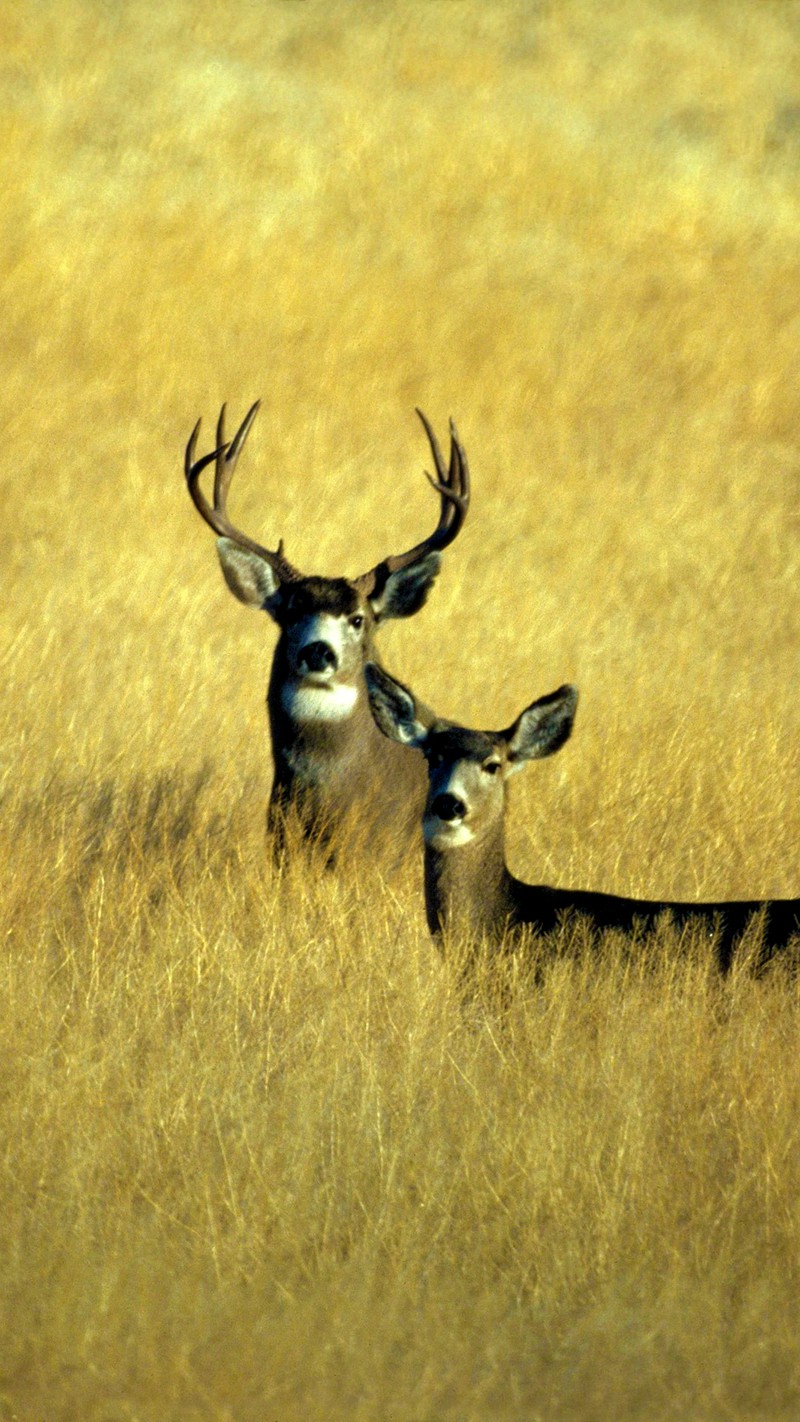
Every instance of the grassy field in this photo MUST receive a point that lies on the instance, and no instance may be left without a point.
(257, 1162)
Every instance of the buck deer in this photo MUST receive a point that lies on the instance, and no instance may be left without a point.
(328, 755)
(467, 881)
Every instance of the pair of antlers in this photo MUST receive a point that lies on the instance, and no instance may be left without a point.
(451, 484)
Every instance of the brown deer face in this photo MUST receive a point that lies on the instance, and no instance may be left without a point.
(327, 625)
(467, 770)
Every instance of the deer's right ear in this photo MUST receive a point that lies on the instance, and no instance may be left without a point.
(249, 577)
(542, 728)
(394, 708)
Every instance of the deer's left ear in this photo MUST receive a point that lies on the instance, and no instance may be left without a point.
(405, 591)
(543, 727)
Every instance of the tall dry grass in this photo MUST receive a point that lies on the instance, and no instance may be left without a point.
(258, 1161)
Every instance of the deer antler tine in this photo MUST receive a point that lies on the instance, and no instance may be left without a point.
(225, 469)
(459, 453)
(441, 468)
(220, 482)
(455, 470)
(188, 459)
(243, 431)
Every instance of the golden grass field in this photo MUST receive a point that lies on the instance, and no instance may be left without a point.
(258, 1163)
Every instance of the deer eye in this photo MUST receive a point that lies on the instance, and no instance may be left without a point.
(491, 767)
(357, 621)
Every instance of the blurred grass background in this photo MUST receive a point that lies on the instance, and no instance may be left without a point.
(256, 1163)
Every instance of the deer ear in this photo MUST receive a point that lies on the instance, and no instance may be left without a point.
(249, 577)
(405, 591)
(543, 727)
(394, 708)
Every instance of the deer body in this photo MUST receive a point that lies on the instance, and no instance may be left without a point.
(504, 903)
(468, 885)
(329, 758)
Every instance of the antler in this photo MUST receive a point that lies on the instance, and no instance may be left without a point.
(452, 486)
(226, 456)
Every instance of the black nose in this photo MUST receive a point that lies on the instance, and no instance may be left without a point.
(317, 657)
(448, 807)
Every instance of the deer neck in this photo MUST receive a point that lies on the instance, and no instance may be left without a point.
(470, 887)
(332, 763)
(316, 725)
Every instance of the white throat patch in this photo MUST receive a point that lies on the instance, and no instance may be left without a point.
(317, 702)
(446, 834)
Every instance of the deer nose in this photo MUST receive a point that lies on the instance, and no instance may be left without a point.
(317, 657)
(448, 807)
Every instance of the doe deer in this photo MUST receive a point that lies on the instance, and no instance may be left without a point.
(328, 756)
(467, 881)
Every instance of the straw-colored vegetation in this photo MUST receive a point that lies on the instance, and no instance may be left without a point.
(256, 1160)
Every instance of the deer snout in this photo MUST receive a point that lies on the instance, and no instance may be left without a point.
(448, 808)
(317, 657)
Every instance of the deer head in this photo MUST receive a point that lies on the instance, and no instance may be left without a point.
(467, 770)
(326, 624)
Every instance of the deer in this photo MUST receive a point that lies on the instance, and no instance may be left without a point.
(329, 758)
(467, 881)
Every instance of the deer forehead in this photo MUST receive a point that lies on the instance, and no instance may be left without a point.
(314, 597)
(455, 745)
